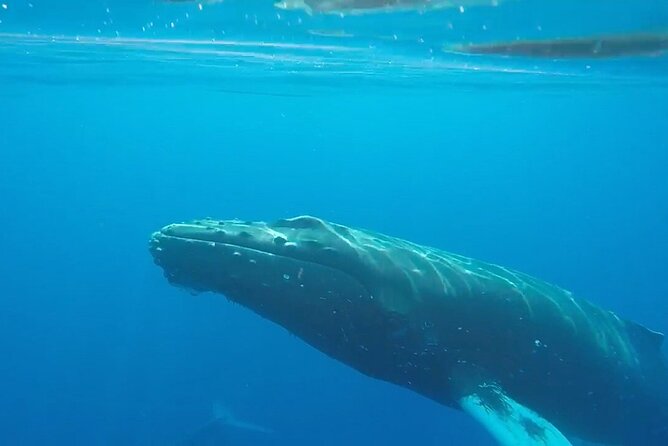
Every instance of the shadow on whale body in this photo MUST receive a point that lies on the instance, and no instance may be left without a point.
(528, 360)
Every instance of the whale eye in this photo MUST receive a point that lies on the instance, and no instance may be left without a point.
(280, 241)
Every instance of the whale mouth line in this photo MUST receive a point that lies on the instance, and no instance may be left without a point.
(238, 248)
(250, 254)
(215, 243)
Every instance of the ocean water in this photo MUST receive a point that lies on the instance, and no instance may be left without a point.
(118, 117)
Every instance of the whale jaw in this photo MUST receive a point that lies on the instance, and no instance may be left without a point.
(325, 306)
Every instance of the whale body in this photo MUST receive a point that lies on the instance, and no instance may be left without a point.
(532, 363)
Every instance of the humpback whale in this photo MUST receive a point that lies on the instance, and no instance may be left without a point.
(614, 45)
(216, 432)
(356, 7)
(374, 6)
(534, 364)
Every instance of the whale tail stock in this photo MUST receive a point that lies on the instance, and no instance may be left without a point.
(656, 433)
(648, 344)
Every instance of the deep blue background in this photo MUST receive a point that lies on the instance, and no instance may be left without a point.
(568, 184)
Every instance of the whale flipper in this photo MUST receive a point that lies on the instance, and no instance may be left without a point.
(509, 422)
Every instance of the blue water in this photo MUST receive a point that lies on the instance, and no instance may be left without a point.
(108, 132)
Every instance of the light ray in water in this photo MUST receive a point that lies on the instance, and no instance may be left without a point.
(335, 58)
(212, 62)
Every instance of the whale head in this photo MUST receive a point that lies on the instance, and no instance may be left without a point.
(337, 288)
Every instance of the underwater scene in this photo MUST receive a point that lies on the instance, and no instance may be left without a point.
(333, 222)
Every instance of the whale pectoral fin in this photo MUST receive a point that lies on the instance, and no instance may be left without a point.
(509, 422)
